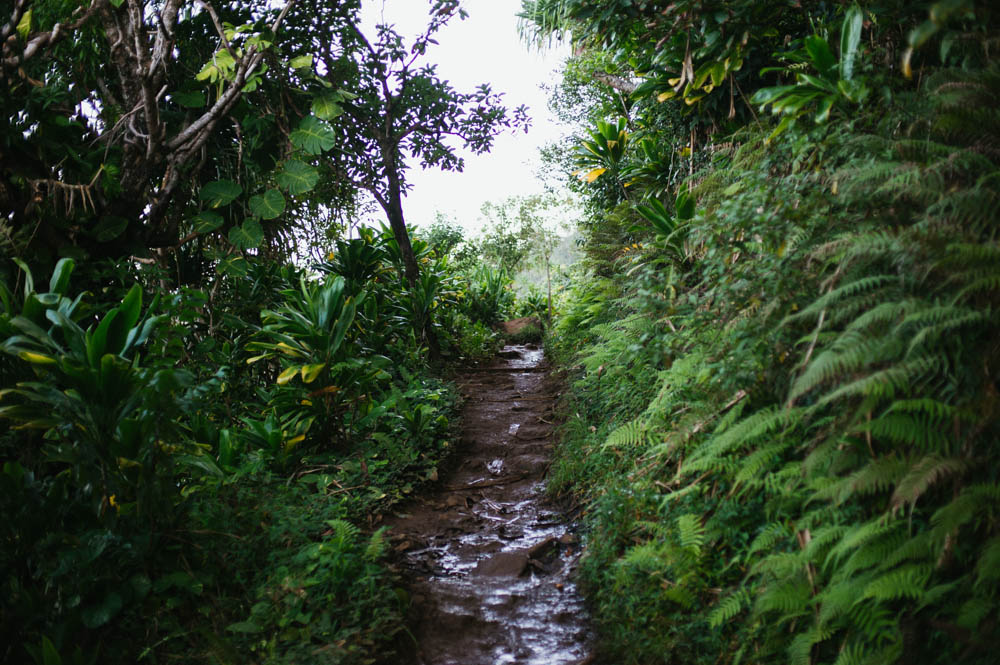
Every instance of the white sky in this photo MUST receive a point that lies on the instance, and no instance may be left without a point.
(485, 48)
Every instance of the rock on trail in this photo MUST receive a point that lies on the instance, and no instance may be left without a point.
(488, 559)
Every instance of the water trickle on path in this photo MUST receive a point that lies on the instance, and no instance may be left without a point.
(487, 557)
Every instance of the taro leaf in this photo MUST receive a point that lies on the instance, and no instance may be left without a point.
(194, 99)
(94, 617)
(297, 177)
(235, 266)
(268, 205)
(326, 107)
(220, 193)
(247, 236)
(313, 135)
(206, 222)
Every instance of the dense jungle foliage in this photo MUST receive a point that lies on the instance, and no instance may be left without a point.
(784, 346)
(213, 380)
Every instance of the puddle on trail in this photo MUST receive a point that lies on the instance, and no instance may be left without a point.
(487, 557)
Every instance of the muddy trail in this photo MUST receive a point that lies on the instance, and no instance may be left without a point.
(486, 556)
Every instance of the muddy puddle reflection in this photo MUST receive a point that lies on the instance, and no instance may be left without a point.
(488, 559)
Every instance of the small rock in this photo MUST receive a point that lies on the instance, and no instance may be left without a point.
(568, 539)
(503, 564)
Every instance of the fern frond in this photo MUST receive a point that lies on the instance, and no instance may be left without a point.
(935, 322)
(827, 300)
(633, 434)
(751, 428)
(768, 537)
(691, 533)
(860, 535)
(924, 473)
(758, 461)
(907, 429)
(878, 475)
(791, 597)
(988, 565)
(849, 353)
(729, 607)
(974, 611)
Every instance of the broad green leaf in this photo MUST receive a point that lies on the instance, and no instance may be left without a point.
(60, 276)
(247, 236)
(850, 37)
(268, 205)
(684, 206)
(297, 177)
(209, 72)
(817, 82)
(194, 99)
(326, 106)
(131, 305)
(311, 372)
(923, 32)
(49, 654)
(97, 341)
(206, 222)
(313, 135)
(95, 617)
(288, 374)
(823, 114)
(36, 358)
(820, 54)
(220, 193)
(765, 96)
(246, 627)
(301, 62)
(24, 25)
(235, 266)
(594, 175)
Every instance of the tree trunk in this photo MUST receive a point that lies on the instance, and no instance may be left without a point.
(394, 211)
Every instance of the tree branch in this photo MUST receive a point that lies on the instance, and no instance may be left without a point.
(42, 40)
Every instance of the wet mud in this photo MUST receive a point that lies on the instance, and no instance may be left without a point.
(488, 559)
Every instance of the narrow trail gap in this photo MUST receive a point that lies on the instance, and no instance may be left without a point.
(487, 558)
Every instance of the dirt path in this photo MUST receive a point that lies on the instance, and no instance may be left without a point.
(487, 557)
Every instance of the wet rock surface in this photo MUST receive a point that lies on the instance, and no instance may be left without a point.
(488, 559)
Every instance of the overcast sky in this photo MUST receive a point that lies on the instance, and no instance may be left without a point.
(484, 48)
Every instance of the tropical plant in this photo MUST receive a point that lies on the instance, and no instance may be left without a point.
(834, 84)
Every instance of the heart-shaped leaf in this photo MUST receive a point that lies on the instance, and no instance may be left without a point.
(247, 236)
(313, 135)
(206, 222)
(297, 177)
(220, 193)
(268, 205)
(326, 107)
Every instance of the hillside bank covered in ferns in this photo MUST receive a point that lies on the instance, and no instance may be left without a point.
(784, 348)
